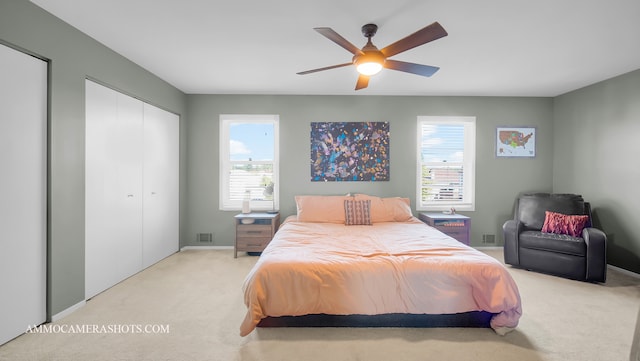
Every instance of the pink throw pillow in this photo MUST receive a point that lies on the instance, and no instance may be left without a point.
(559, 223)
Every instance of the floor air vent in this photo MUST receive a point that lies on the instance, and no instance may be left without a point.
(205, 237)
(489, 238)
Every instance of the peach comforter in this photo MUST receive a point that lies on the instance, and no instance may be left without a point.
(389, 267)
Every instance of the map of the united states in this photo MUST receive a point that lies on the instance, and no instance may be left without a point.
(514, 138)
(513, 142)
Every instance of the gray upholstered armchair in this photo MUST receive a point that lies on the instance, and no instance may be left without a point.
(582, 256)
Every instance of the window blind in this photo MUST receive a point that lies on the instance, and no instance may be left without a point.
(446, 157)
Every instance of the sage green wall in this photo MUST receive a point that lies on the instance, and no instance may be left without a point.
(596, 142)
(589, 126)
(498, 181)
(74, 56)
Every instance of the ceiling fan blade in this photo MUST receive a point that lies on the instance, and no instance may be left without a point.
(325, 68)
(418, 69)
(363, 82)
(338, 39)
(422, 36)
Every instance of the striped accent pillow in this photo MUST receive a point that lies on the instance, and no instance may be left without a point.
(357, 212)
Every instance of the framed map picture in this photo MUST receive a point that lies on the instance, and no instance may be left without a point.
(516, 142)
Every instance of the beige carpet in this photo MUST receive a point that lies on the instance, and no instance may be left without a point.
(192, 302)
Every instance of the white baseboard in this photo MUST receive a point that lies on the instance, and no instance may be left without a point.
(624, 271)
(68, 311)
(200, 248)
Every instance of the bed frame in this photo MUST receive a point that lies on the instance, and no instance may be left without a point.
(477, 319)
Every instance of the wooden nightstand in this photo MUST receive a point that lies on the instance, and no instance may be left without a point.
(453, 225)
(254, 231)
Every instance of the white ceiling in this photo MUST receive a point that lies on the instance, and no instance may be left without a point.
(494, 47)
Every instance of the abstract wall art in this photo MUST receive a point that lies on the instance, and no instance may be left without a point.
(349, 151)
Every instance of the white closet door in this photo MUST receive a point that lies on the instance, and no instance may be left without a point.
(23, 187)
(161, 199)
(114, 131)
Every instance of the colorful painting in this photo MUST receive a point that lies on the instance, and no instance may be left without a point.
(515, 142)
(350, 151)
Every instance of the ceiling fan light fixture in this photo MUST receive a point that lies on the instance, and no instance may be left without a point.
(371, 68)
(369, 63)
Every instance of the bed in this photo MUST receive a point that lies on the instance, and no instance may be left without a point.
(365, 260)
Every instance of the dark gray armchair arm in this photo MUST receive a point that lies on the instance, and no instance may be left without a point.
(510, 230)
(596, 241)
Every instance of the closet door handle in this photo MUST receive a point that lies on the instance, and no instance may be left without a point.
(129, 195)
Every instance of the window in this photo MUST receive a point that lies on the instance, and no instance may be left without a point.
(249, 161)
(446, 163)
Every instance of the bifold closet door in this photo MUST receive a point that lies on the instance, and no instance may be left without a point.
(113, 187)
(160, 190)
(23, 192)
(132, 192)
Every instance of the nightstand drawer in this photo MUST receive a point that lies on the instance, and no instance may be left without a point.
(461, 235)
(251, 230)
(253, 244)
(451, 230)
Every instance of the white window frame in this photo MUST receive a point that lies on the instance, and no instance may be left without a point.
(225, 203)
(468, 163)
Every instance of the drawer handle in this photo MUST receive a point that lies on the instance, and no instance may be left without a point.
(257, 232)
(254, 244)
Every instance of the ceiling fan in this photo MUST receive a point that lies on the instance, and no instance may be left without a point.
(369, 60)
